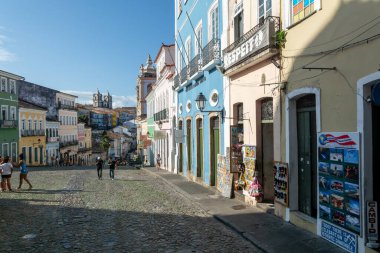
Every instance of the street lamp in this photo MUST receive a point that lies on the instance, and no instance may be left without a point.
(160, 123)
(201, 102)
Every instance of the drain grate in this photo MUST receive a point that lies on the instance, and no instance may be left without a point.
(239, 207)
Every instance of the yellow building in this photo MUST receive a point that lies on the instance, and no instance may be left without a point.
(330, 98)
(32, 142)
(115, 118)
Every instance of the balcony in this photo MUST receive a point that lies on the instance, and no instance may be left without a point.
(52, 139)
(162, 115)
(66, 107)
(32, 132)
(83, 150)
(68, 143)
(8, 123)
(207, 59)
(260, 40)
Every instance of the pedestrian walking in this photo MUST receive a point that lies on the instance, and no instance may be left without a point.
(56, 161)
(23, 172)
(6, 174)
(112, 164)
(99, 166)
(158, 161)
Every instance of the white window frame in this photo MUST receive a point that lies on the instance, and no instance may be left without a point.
(265, 9)
(214, 6)
(198, 28)
(12, 108)
(288, 12)
(4, 107)
(12, 83)
(2, 149)
(188, 50)
(5, 85)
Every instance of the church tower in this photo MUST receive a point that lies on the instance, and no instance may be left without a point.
(97, 100)
(108, 101)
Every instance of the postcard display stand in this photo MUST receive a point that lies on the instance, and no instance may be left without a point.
(281, 183)
(249, 160)
(339, 188)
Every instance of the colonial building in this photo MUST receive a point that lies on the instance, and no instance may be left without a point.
(146, 77)
(165, 107)
(32, 127)
(9, 134)
(149, 149)
(198, 60)
(330, 119)
(52, 141)
(68, 130)
(251, 67)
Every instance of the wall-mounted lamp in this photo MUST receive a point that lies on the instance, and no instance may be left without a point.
(160, 123)
(38, 143)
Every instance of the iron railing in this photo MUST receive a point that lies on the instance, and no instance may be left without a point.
(162, 115)
(209, 53)
(68, 143)
(8, 123)
(250, 33)
(33, 132)
(67, 107)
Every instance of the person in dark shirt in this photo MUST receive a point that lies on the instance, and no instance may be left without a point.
(112, 164)
(99, 167)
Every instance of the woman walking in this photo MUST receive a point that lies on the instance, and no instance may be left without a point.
(7, 170)
(23, 172)
(158, 161)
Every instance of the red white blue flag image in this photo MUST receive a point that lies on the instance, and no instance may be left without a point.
(343, 140)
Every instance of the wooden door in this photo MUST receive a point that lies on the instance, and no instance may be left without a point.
(199, 148)
(214, 136)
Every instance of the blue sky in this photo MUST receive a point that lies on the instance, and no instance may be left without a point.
(78, 46)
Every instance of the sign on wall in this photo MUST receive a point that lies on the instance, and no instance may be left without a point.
(340, 237)
(339, 179)
(372, 217)
(281, 183)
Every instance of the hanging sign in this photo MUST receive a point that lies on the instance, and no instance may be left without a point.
(372, 232)
(339, 179)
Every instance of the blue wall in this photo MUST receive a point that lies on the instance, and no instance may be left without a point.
(211, 79)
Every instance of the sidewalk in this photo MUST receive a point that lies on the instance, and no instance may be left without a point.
(266, 231)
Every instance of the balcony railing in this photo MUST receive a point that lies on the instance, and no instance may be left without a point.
(52, 139)
(84, 149)
(162, 115)
(8, 123)
(209, 53)
(67, 107)
(33, 132)
(68, 143)
(258, 39)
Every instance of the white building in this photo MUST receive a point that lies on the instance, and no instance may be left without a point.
(165, 107)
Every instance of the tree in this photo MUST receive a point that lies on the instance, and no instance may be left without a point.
(105, 143)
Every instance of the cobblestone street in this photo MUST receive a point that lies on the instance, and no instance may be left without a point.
(70, 210)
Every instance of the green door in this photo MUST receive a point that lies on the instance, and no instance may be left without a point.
(307, 159)
(214, 123)
(199, 148)
(180, 150)
(188, 141)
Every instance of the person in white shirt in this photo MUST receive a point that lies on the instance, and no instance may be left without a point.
(7, 169)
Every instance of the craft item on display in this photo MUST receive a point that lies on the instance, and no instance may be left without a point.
(236, 157)
(281, 192)
(256, 190)
(224, 176)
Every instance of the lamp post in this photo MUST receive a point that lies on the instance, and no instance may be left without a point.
(201, 103)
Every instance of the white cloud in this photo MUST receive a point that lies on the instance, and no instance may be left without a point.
(85, 97)
(5, 54)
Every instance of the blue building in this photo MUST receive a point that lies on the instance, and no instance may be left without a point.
(198, 56)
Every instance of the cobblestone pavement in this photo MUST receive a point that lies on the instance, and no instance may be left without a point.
(70, 210)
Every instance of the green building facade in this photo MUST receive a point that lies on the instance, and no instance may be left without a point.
(9, 132)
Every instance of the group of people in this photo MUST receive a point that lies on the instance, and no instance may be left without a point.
(112, 166)
(6, 171)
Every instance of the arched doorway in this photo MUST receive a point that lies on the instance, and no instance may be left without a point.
(188, 142)
(199, 148)
(214, 148)
(307, 155)
(180, 151)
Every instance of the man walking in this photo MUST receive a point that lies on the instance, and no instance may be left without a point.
(112, 164)
(99, 167)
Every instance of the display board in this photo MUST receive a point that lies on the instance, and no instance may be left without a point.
(249, 160)
(236, 157)
(339, 179)
(281, 183)
(224, 182)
